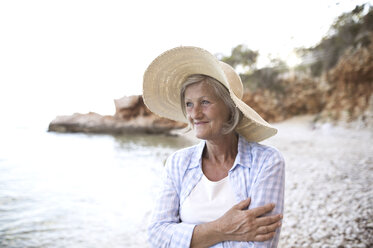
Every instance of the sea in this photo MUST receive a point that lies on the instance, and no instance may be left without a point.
(79, 190)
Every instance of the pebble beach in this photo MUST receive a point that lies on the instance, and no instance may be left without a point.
(329, 178)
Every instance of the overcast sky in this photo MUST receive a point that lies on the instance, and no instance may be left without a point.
(61, 57)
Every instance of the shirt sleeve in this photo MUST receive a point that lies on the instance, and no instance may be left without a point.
(269, 188)
(165, 228)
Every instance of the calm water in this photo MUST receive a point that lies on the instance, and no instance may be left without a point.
(77, 190)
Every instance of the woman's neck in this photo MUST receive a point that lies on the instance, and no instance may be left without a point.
(221, 153)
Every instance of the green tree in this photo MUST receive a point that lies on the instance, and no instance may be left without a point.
(241, 55)
(252, 78)
(350, 29)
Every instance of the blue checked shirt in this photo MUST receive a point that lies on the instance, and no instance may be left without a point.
(258, 172)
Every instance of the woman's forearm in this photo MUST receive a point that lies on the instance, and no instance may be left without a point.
(237, 224)
(206, 235)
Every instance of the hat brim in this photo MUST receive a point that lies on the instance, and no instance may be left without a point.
(164, 77)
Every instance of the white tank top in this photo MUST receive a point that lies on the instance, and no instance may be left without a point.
(208, 201)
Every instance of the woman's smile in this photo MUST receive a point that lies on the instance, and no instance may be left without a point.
(198, 123)
(205, 110)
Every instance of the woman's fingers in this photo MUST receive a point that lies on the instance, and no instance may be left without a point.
(268, 228)
(267, 220)
(241, 224)
(262, 210)
(264, 237)
(242, 204)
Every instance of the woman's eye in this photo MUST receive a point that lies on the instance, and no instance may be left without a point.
(205, 102)
(188, 104)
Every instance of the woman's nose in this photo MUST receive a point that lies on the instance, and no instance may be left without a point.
(196, 112)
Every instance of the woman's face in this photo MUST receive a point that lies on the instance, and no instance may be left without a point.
(205, 111)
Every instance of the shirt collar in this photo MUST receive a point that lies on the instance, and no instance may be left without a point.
(243, 157)
(196, 157)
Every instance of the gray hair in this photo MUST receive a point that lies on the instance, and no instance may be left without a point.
(220, 91)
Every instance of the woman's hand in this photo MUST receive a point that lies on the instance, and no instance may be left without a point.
(240, 224)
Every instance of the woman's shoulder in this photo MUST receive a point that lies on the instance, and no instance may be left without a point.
(265, 149)
(255, 148)
(183, 157)
(180, 161)
(268, 155)
(185, 152)
(262, 152)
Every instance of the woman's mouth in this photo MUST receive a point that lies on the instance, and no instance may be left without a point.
(198, 123)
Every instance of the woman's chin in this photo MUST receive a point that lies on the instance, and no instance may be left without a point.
(199, 136)
(202, 133)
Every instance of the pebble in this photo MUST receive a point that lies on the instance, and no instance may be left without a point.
(329, 193)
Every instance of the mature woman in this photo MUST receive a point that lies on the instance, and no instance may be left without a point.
(228, 190)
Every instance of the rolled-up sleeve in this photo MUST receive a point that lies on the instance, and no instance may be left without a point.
(165, 228)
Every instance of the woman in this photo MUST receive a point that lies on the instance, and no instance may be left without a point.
(228, 190)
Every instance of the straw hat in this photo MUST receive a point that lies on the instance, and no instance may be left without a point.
(166, 74)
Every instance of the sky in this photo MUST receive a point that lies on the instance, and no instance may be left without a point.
(62, 57)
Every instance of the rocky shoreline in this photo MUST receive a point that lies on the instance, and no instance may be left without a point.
(131, 116)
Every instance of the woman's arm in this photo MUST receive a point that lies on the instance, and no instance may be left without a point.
(165, 229)
(269, 187)
(260, 224)
(237, 224)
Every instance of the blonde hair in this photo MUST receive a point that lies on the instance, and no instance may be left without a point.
(221, 92)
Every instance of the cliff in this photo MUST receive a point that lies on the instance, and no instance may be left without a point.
(350, 93)
(344, 93)
(300, 95)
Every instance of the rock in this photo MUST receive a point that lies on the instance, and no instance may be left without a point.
(131, 116)
(130, 107)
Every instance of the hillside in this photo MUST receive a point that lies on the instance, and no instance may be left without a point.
(343, 93)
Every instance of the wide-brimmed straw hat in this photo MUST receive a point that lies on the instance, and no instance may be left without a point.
(164, 78)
